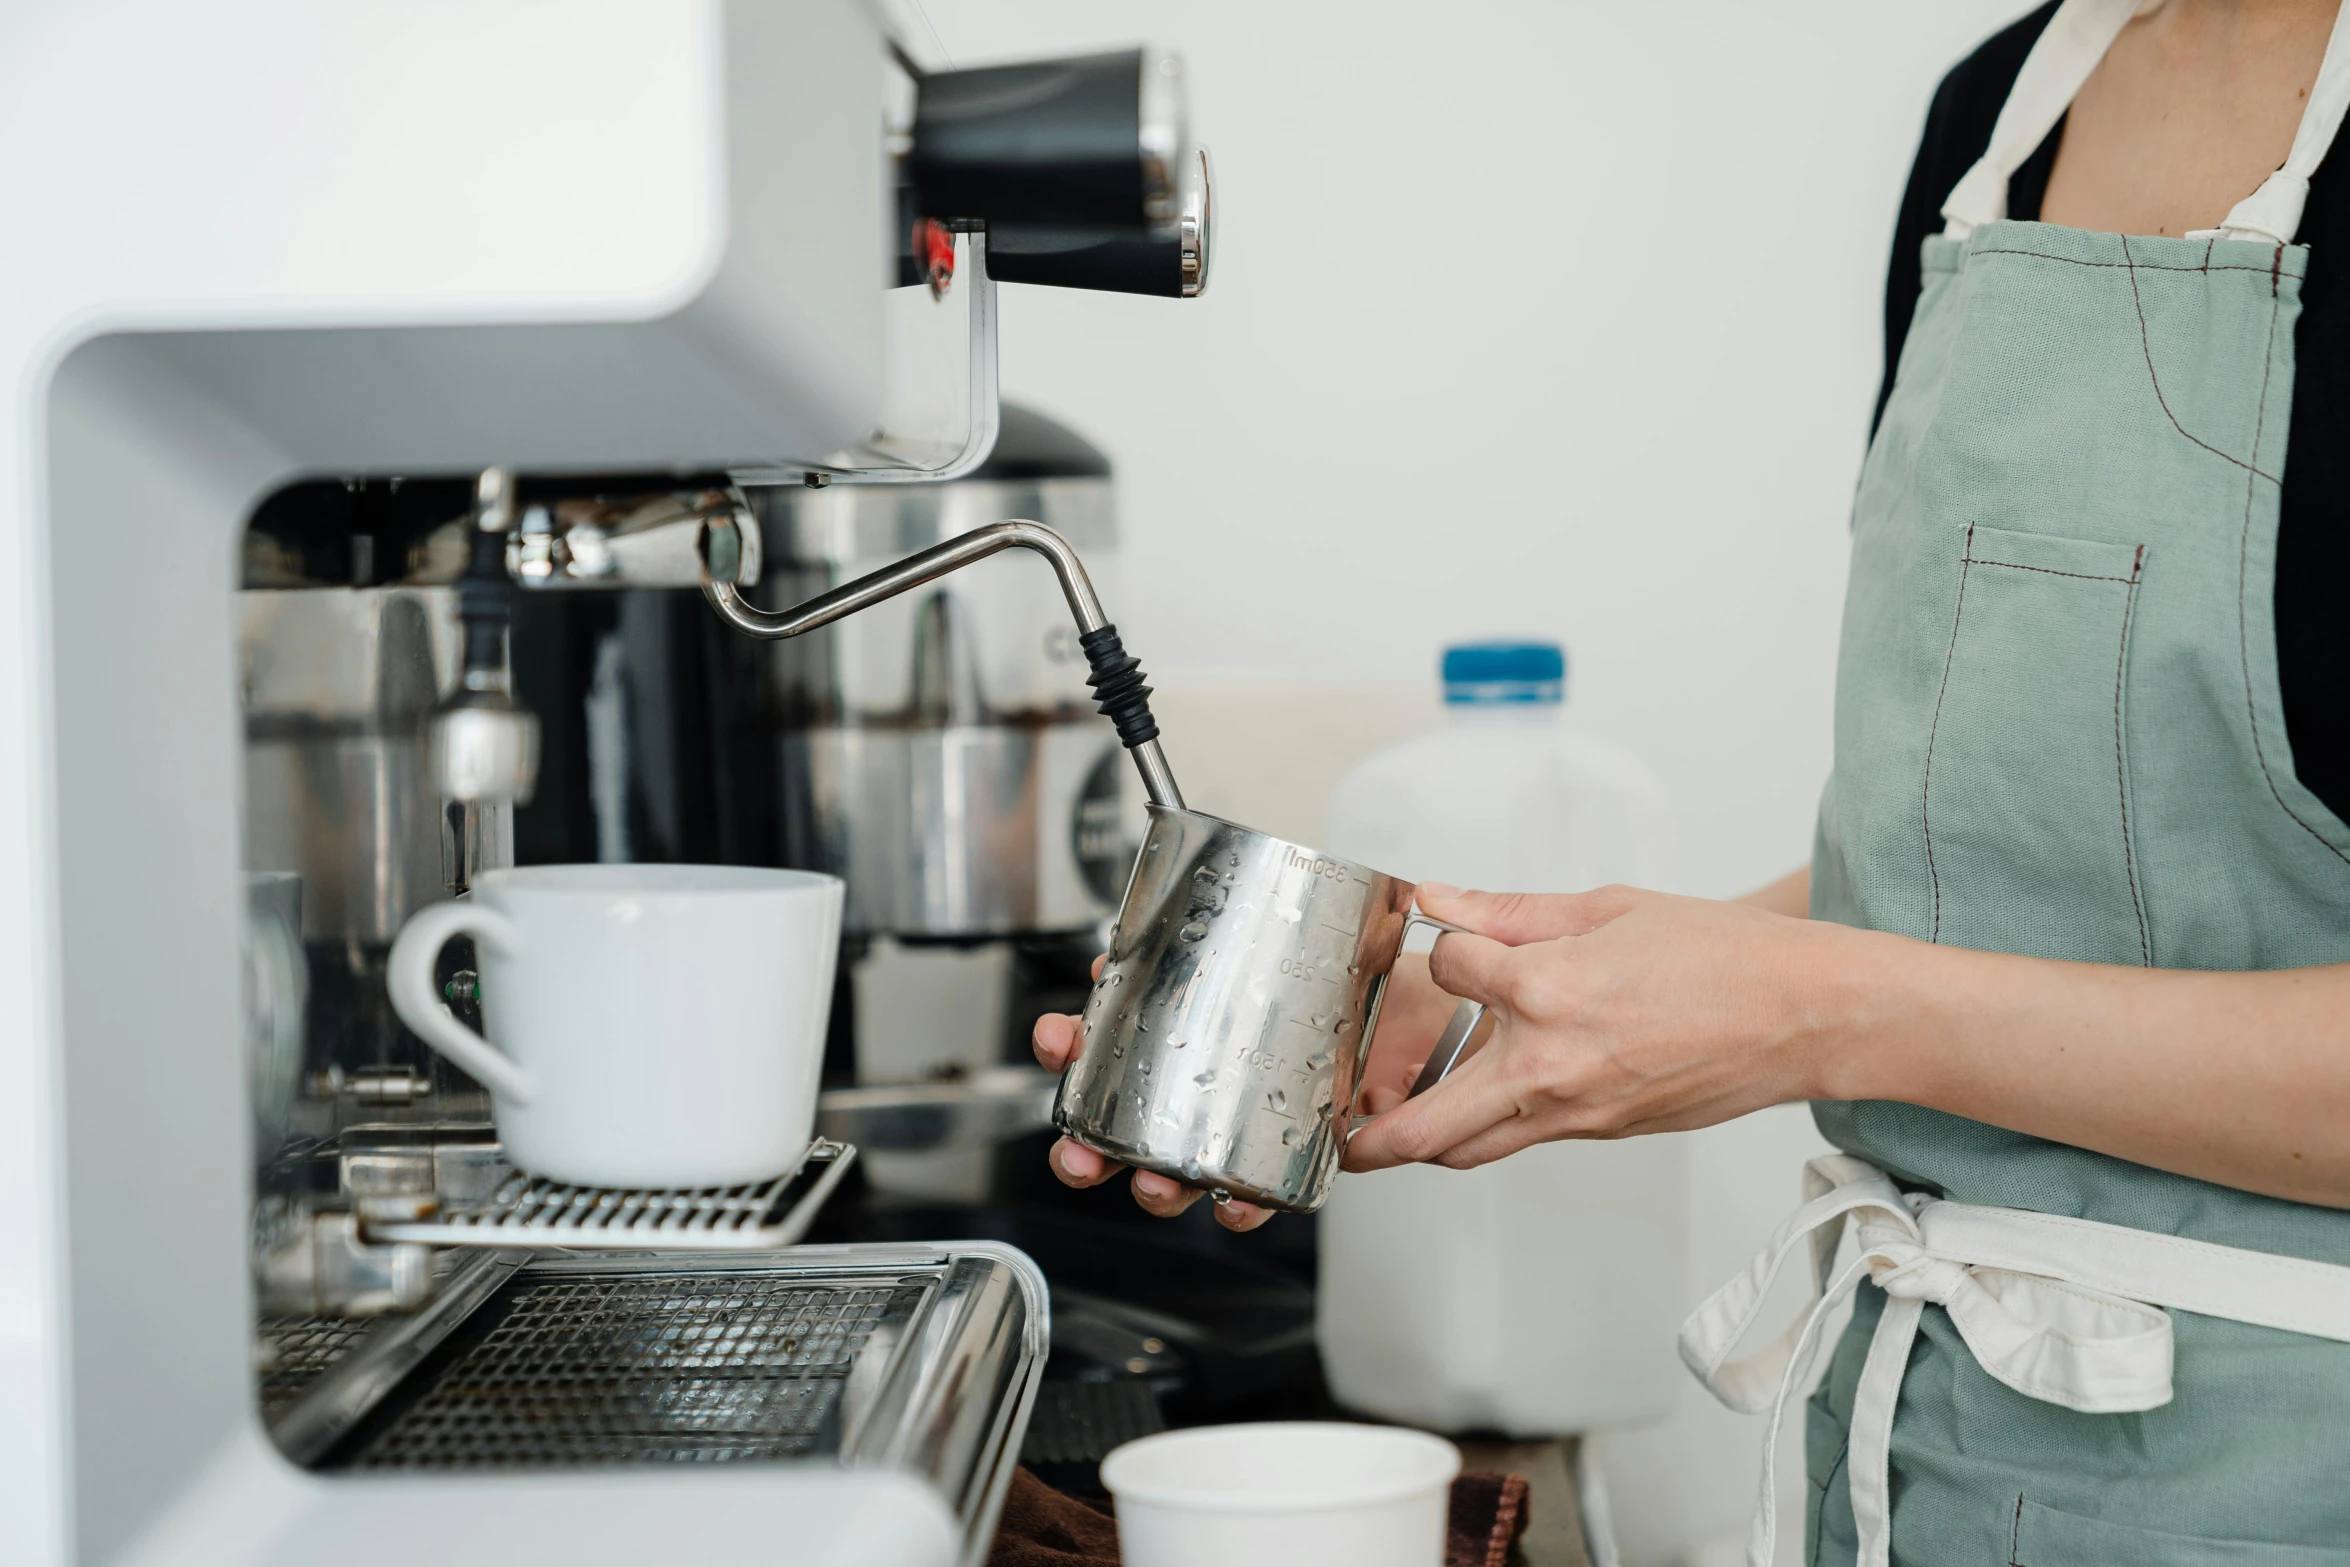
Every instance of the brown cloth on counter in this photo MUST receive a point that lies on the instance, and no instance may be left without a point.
(1042, 1527)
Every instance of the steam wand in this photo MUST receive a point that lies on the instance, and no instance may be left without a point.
(482, 744)
(1117, 679)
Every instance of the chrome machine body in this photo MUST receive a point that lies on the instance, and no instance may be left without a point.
(261, 1252)
(939, 750)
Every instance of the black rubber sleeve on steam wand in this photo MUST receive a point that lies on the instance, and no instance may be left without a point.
(485, 602)
(1118, 687)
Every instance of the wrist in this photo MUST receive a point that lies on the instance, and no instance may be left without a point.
(1854, 998)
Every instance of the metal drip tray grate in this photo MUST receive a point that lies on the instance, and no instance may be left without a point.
(525, 1211)
(291, 1353)
(697, 1369)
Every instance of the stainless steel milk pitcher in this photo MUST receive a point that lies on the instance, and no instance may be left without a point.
(1226, 1037)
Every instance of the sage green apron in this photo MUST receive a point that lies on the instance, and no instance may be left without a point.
(2058, 732)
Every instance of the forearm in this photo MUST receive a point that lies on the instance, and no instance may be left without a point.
(2238, 1078)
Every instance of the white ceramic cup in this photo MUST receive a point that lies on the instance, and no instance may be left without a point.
(652, 1025)
(1282, 1494)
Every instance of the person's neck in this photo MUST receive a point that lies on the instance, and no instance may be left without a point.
(2194, 106)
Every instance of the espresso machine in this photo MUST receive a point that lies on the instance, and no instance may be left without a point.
(365, 345)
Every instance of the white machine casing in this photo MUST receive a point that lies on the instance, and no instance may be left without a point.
(262, 240)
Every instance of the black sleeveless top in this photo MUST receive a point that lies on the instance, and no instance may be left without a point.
(2313, 528)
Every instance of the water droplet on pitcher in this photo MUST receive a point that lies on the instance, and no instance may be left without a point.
(1206, 1079)
(1204, 873)
(1139, 1101)
(1142, 1064)
(1289, 1139)
(1194, 931)
(1117, 979)
(1343, 1025)
(1318, 1060)
(1277, 1099)
(1318, 1020)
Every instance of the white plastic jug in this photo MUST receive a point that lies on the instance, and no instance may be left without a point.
(1539, 1294)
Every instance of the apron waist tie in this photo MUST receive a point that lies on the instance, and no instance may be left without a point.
(2062, 1310)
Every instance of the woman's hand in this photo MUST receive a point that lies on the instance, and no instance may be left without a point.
(1056, 1039)
(1616, 1012)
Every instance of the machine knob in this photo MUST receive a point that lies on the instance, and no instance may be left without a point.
(1171, 261)
(1091, 142)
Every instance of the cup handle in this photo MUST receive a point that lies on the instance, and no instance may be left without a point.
(409, 979)
(1451, 1045)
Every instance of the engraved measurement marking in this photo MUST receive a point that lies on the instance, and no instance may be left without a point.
(1316, 865)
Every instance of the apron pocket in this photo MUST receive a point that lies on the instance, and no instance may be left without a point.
(2025, 800)
(2044, 1537)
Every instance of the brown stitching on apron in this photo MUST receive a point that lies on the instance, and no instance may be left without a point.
(1926, 795)
(2049, 571)
(2243, 618)
(2276, 264)
(2146, 343)
(2133, 266)
(2015, 1535)
(2121, 776)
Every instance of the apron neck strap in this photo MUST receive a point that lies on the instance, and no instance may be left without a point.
(2272, 214)
(2069, 49)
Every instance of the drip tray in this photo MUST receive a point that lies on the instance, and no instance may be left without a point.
(648, 1368)
(518, 1210)
(919, 1358)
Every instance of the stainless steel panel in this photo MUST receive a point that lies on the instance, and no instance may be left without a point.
(962, 831)
(997, 631)
(356, 817)
(337, 685)
(989, 1107)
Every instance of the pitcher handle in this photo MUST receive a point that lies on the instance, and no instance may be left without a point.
(1451, 1045)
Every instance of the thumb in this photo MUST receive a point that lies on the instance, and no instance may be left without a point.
(1516, 918)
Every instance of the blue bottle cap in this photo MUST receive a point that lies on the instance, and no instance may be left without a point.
(1495, 672)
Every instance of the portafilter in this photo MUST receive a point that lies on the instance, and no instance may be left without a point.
(1225, 1040)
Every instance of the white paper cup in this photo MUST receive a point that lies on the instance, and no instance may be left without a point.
(1282, 1494)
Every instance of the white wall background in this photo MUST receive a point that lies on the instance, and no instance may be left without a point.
(1527, 316)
